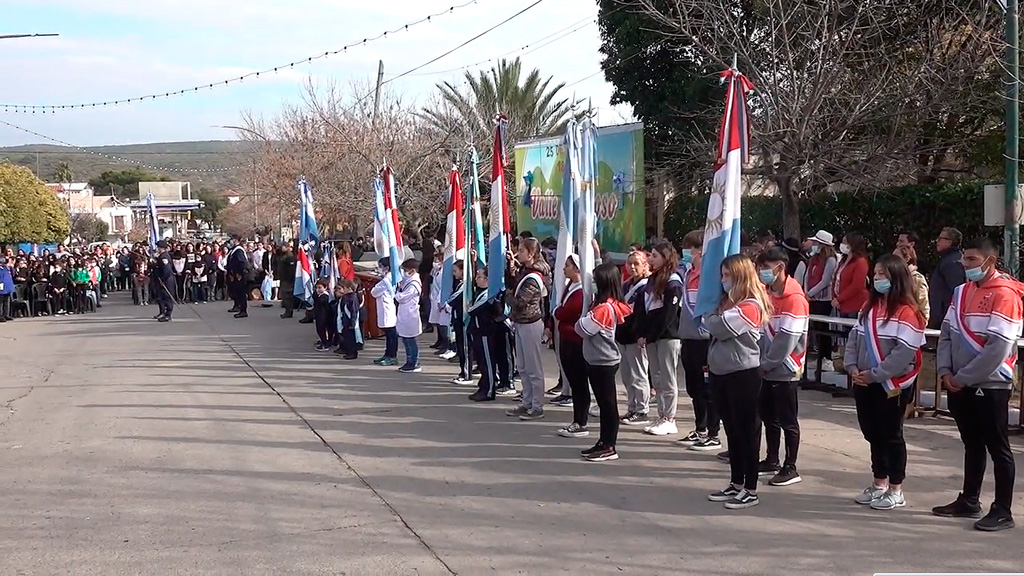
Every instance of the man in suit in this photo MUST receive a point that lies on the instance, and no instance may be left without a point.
(239, 275)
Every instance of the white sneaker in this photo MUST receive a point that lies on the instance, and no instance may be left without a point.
(662, 427)
(826, 366)
(595, 411)
(447, 355)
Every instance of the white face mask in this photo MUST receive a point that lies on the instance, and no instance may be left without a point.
(408, 275)
(844, 248)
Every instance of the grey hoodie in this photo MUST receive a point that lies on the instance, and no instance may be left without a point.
(983, 353)
(898, 339)
(735, 338)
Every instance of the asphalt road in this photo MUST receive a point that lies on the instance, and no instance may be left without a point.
(219, 446)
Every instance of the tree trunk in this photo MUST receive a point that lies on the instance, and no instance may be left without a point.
(790, 207)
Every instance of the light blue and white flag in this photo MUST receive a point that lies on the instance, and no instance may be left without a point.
(722, 231)
(154, 225)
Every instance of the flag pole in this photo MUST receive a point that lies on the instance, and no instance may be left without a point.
(468, 260)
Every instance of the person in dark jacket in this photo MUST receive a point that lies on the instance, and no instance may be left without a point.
(947, 275)
(455, 302)
(488, 335)
(239, 275)
(323, 316)
(285, 273)
(658, 313)
(164, 287)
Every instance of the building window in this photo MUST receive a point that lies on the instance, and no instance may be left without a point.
(119, 224)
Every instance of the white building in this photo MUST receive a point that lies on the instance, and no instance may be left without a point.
(80, 199)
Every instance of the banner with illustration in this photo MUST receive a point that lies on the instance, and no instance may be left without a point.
(620, 182)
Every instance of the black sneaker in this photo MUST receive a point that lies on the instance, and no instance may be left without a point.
(743, 500)
(723, 455)
(997, 519)
(766, 468)
(706, 444)
(554, 391)
(164, 319)
(786, 476)
(605, 454)
(636, 419)
(480, 397)
(725, 495)
(595, 448)
(959, 508)
(692, 438)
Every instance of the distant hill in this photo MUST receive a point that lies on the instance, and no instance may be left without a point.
(44, 158)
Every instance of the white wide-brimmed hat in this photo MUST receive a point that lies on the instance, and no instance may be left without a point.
(823, 237)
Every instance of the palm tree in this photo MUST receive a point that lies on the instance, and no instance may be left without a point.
(531, 104)
(63, 172)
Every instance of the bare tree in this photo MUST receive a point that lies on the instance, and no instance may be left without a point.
(334, 140)
(851, 93)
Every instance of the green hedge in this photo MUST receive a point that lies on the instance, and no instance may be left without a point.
(880, 215)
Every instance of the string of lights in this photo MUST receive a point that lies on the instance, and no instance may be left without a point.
(122, 159)
(53, 108)
(351, 108)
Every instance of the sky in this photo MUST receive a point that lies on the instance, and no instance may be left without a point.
(117, 49)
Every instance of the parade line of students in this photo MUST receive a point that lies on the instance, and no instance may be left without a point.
(740, 364)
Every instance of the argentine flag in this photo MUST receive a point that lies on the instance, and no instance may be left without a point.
(722, 231)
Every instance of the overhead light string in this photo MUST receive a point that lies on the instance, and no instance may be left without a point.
(53, 108)
(125, 160)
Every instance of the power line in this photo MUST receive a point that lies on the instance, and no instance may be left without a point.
(588, 21)
(350, 108)
(50, 108)
(467, 42)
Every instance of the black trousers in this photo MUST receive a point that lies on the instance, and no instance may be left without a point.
(737, 395)
(981, 417)
(238, 295)
(5, 306)
(570, 356)
(347, 342)
(779, 415)
(602, 380)
(694, 357)
(492, 358)
(390, 342)
(463, 354)
(164, 291)
(881, 422)
(823, 342)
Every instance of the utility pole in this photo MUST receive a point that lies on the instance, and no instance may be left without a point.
(1011, 233)
(376, 94)
(255, 200)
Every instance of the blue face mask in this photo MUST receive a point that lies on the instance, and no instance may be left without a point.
(882, 285)
(687, 255)
(974, 274)
(727, 286)
(767, 276)
(815, 250)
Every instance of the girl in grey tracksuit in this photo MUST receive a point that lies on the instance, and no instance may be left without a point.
(734, 357)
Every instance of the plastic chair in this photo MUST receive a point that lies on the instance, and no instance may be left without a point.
(40, 297)
(20, 300)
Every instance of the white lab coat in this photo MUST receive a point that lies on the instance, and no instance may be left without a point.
(385, 295)
(409, 324)
(439, 311)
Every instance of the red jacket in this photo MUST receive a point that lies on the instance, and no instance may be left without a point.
(345, 268)
(852, 285)
(567, 315)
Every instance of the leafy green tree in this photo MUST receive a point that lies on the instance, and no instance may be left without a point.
(63, 172)
(124, 183)
(671, 91)
(213, 203)
(29, 211)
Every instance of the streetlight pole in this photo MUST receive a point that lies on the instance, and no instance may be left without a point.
(1011, 231)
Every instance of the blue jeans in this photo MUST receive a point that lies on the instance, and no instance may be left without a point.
(412, 351)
